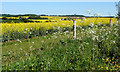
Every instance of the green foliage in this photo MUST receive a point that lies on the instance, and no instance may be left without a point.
(57, 51)
(25, 20)
(33, 32)
(36, 17)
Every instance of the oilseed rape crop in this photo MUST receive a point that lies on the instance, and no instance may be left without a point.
(12, 31)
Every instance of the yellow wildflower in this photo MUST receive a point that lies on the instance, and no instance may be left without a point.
(115, 69)
(107, 59)
(113, 58)
(106, 68)
(98, 66)
(101, 67)
(113, 62)
(116, 65)
(110, 69)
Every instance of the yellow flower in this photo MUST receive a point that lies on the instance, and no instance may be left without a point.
(115, 69)
(107, 59)
(116, 65)
(113, 62)
(106, 68)
(113, 58)
(101, 67)
(98, 66)
(110, 69)
(119, 66)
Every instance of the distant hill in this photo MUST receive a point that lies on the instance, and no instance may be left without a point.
(9, 15)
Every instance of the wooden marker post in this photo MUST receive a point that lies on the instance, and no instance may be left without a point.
(74, 25)
(74, 29)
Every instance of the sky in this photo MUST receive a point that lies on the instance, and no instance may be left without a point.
(59, 8)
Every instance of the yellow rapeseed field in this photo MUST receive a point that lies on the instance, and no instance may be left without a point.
(57, 22)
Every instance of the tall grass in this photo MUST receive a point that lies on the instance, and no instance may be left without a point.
(95, 48)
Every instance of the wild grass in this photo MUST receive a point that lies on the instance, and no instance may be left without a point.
(95, 48)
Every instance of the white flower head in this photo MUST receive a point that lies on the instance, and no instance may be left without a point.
(58, 27)
(30, 32)
(18, 40)
(30, 46)
(26, 29)
(91, 24)
(46, 31)
(113, 41)
(33, 42)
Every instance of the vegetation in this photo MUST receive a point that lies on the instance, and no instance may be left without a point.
(9, 15)
(5, 20)
(13, 31)
(36, 17)
(96, 48)
(50, 46)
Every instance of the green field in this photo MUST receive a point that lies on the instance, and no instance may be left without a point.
(95, 48)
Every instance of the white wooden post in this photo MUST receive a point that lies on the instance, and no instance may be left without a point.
(74, 29)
